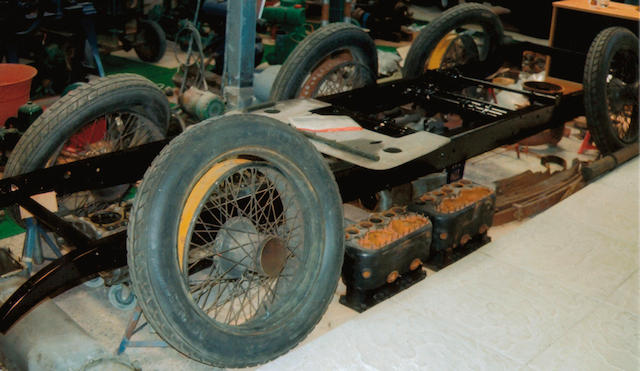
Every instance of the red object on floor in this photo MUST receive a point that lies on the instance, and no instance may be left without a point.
(586, 143)
(15, 84)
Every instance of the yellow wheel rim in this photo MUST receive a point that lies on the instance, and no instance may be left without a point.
(196, 197)
(437, 56)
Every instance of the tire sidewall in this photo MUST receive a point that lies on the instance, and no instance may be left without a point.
(98, 105)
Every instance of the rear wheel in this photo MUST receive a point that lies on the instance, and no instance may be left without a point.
(611, 89)
(106, 115)
(235, 242)
(453, 40)
(152, 41)
(337, 58)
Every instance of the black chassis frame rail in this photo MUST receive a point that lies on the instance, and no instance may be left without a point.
(486, 132)
(90, 255)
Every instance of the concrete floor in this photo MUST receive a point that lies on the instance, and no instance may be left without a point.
(558, 293)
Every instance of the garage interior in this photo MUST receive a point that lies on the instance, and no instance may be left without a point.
(538, 269)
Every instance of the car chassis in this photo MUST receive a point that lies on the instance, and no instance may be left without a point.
(359, 170)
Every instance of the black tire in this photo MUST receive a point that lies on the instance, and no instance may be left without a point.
(611, 88)
(450, 20)
(201, 167)
(42, 143)
(153, 41)
(318, 47)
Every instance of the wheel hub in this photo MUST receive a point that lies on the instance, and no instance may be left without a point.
(273, 256)
(237, 243)
(242, 248)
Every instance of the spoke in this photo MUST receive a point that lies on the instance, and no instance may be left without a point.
(243, 300)
(241, 293)
(227, 283)
(209, 283)
(261, 206)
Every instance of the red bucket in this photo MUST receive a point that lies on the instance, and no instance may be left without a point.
(15, 84)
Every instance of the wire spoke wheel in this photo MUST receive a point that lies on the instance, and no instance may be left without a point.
(245, 251)
(106, 115)
(235, 241)
(622, 97)
(455, 50)
(110, 132)
(336, 74)
(611, 89)
(334, 59)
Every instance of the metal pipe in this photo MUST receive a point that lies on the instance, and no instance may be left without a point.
(609, 162)
(325, 13)
(347, 10)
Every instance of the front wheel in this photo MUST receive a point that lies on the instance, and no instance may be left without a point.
(611, 89)
(235, 242)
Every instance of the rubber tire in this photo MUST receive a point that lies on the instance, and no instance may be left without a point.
(316, 47)
(601, 52)
(152, 240)
(77, 108)
(430, 36)
(154, 41)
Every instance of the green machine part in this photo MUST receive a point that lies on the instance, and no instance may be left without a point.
(27, 114)
(290, 20)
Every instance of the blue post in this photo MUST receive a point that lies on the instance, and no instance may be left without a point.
(32, 248)
(239, 56)
(31, 252)
(52, 245)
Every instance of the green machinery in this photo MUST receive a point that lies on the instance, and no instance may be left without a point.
(287, 22)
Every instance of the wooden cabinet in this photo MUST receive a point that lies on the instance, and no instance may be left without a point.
(575, 23)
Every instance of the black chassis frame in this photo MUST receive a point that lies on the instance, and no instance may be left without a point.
(484, 130)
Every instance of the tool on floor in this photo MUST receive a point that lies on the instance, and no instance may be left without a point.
(132, 329)
(586, 143)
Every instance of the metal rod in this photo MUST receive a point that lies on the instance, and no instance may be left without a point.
(347, 10)
(340, 146)
(325, 13)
